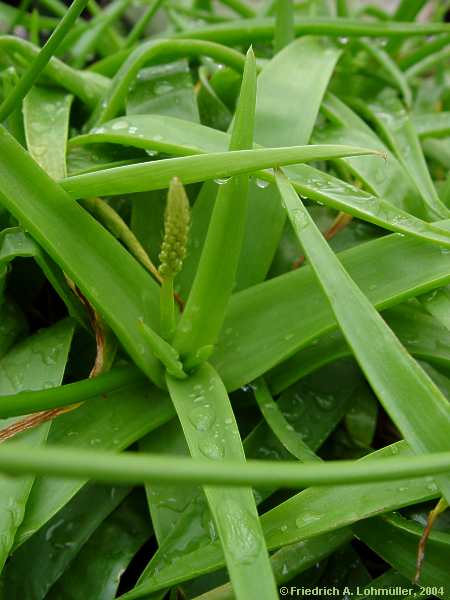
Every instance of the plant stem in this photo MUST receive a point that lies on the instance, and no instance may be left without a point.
(35, 401)
(167, 309)
(16, 459)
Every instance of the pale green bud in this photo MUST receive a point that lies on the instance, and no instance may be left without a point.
(176, 230)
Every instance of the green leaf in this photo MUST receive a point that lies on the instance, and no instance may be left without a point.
(211, 432)
(292, 560)
(43, 57)
(36, 363)
(291, 439)
(115, 284)
(297, 76)
(387, 181)
(168, 356)
(13, 326)
(98, 26)
(307, 517)
(361, 419)
(58, 543)
(308, 181)
(399, 539)
(421, 335)
(203, 315)
(414, 403)
(96, 570)
(437, 304)
(141, 25)
(397, 128)
(428, 63)
(432, 124)
(259, 331)
(389, 580)
(46, 120)
(9, 16)
(164, 90)
(191, 169)
(167, 502)
(394, 73)
(313, 407)
(85, 85)
(284, 25)
(105, 423)
(114, 99)
(213, 111)
(16, 243)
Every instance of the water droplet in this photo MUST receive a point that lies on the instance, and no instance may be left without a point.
(222, 180)
(202, 417)
(343, 40)
(300, 218)
(326, 402)
(51, 530)
(120, 125)
(261, 183)
(163, 87)
(307, 519)
(152, 153)
(239, 529)
(211, 449)
(431, 485)
(248, 388)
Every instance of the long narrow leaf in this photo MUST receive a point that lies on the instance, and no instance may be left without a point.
(37, 362)
(212, 434)
(203, 316)
(179, 137)
(110, 422)
(415, 404)
(191, 169)
(46, 121)
(115, 284)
